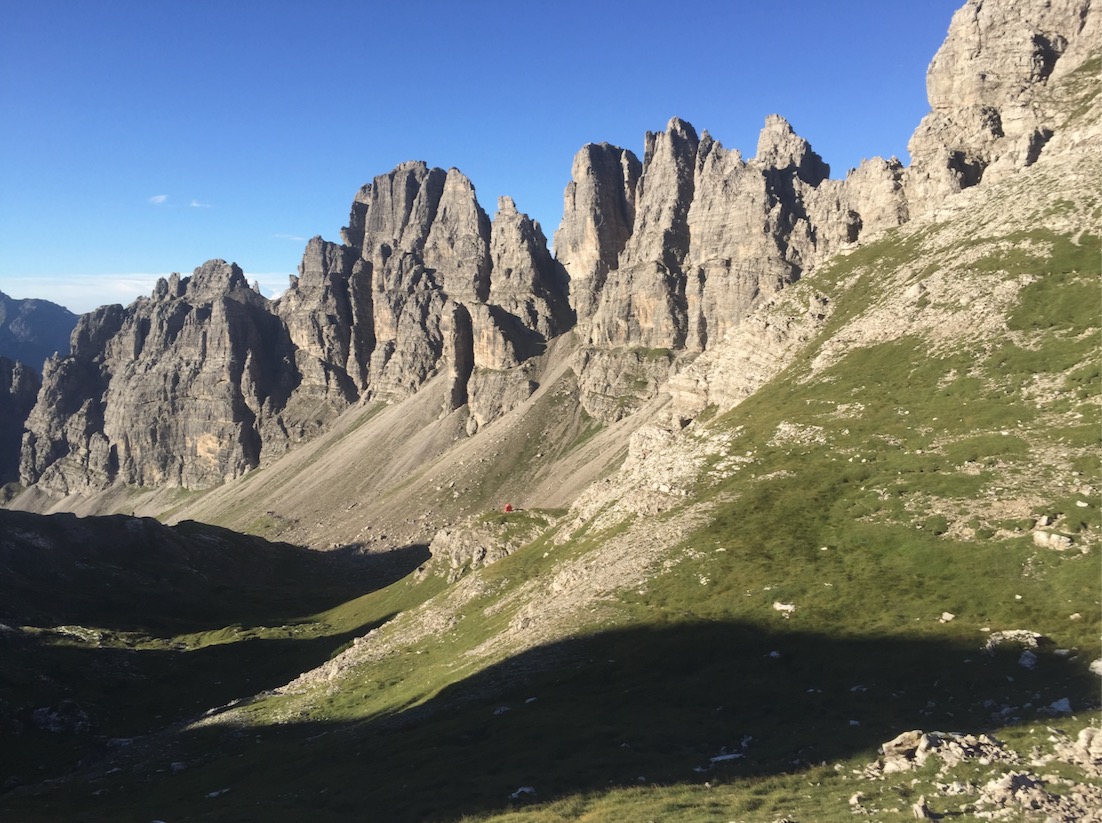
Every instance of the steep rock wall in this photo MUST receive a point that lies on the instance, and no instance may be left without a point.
(199, 382)
(675, 256)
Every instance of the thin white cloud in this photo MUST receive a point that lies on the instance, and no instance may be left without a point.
(195, 204)
(158, 199)
(293, 237)
(82, 293)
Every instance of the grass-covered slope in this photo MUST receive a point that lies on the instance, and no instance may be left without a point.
(725, 629)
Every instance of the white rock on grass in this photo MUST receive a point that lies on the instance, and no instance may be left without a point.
(1048, 540)
(786, 609)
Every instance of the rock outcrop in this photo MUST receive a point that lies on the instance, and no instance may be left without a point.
(199, 382)
(684, 257)
(988, 85)
(438, 287)
(180, 389)
(676, 255)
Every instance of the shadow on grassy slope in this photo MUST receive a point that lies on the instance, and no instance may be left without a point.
(90, 696)
(113, 627)
(647, 705)
(137, 575)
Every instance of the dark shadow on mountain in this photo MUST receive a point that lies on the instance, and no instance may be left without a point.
(136, 574)
(33, 330)
(686, 703)
(63, 703)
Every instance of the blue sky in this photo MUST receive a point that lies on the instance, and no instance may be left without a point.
(142, 137)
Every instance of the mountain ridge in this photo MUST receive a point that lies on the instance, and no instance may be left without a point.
(424, 284)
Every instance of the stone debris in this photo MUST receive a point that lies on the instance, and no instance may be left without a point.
(1013, 788)
(723, 758)
(65, 718)
(920, 810)
(1021, 637)
(1050, 540)
(1005, 797)
(1007, 792)
(910, 750)
(1061, 706)
(1085, 751)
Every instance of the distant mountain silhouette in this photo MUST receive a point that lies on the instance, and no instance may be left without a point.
(32, 330)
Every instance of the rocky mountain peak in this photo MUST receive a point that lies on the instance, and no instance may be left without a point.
(991, 113)
(214, 278)
(779, 147)
(196, 383)
(598, 218)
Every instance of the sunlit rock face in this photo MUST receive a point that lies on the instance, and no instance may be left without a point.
(199, 382)
(991, 113)
(676, 252)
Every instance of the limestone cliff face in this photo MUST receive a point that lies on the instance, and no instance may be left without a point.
(988, 84)
(199, 382)
(180, 389)
(707, 237)
(674, 257)
(598, 217)
(444, 289)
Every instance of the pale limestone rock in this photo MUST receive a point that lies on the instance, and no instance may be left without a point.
(457, 249)
(874, 191)
(176, 390)
(458, 353)
(493, 393)
(598, 218)
(642, 301)
(317, 311)
(613, 383)
(526, 281)
(987, 89)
